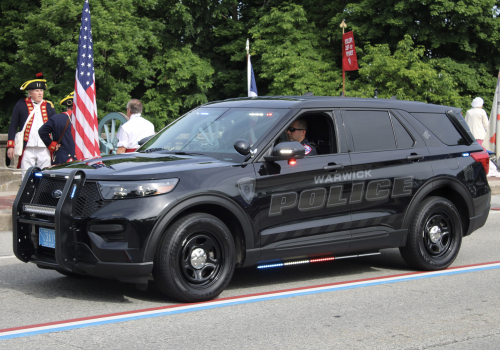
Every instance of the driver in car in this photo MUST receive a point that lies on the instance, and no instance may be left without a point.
(297, 132)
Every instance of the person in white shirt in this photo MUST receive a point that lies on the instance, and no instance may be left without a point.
(477, 120)
(135, 129)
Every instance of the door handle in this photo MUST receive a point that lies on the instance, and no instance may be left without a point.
(414, 157)
(333, 167)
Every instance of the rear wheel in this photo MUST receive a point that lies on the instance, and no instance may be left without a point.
(435, 235)
(195, 259)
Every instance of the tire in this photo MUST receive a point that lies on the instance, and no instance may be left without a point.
(435, 235)
(195, 259)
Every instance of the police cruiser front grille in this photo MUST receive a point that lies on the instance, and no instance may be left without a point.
(45, 189)
(89, 199)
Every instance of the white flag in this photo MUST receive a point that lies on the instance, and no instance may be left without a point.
(491, 142)
(251, 84)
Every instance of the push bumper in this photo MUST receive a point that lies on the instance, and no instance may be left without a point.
(69, 254)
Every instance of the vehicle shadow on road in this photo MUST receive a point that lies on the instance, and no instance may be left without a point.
(389, 262)
(47, 284)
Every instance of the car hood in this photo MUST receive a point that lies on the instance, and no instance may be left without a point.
(135, 166)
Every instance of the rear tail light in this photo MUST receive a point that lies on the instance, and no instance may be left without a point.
(483, 158)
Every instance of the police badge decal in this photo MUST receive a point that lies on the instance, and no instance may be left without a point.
(246, 186)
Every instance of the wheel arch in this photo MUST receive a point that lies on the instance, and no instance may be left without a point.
(221, 207)
(448, 188)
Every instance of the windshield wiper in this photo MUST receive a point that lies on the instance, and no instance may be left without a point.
(188, 153)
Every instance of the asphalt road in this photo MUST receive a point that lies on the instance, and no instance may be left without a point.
(457, 311)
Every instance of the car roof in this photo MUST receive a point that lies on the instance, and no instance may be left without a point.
(304, 102)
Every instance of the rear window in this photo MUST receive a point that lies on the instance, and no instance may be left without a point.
(442, 127)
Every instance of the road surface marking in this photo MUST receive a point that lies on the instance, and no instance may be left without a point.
(90, 321)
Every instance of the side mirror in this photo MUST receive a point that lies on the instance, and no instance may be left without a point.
(287, 151)
(144, 140)
(242, 147)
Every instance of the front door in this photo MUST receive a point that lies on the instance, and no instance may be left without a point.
(304, 207)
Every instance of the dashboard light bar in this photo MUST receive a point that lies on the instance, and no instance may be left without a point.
(35, 209)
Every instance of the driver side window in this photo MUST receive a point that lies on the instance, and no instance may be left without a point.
(319, 132)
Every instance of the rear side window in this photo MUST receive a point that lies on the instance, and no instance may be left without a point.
(442, 127)
(371, 130)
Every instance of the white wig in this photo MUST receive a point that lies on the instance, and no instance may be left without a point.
(477, 102)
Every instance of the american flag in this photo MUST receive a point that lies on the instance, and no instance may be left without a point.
(84, 120)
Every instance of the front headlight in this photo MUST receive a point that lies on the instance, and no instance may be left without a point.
(135, 189)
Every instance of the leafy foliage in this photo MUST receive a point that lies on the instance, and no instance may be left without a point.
(175, 55)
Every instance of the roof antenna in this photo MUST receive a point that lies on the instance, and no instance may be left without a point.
(308, 94)
(376, 94)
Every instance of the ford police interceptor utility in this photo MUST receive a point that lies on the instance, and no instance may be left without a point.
(221, 187)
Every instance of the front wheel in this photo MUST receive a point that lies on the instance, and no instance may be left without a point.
(435, 235)
(195, 259)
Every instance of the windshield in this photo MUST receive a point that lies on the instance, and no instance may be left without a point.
(213, 131)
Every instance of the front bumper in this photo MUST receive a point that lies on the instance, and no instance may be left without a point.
(71, 253)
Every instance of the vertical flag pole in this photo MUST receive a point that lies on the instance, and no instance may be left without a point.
(249, 77)
(343, 26)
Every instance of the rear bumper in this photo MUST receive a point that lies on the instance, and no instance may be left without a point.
(482, 205)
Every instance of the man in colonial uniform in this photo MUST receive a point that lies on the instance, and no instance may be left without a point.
(135, 129)
(62, 144)
(33, 111)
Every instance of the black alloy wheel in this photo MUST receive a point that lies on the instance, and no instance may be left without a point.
(435, 235)
(195, 259)
(201, 259)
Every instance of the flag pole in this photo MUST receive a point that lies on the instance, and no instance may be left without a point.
(248, 68)
(343, 26)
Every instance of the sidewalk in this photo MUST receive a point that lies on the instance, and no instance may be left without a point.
(6, 201)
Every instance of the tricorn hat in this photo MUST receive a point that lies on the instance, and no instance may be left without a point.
(37, 83)
(68, 100)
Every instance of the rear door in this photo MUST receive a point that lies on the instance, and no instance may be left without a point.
(389, 163)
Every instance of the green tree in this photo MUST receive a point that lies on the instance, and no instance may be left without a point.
(289, 56)
(406, 74)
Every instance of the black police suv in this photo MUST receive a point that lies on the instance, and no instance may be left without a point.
(230, 185)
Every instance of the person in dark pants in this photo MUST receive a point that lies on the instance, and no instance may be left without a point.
(62, 144)
(297, 132)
